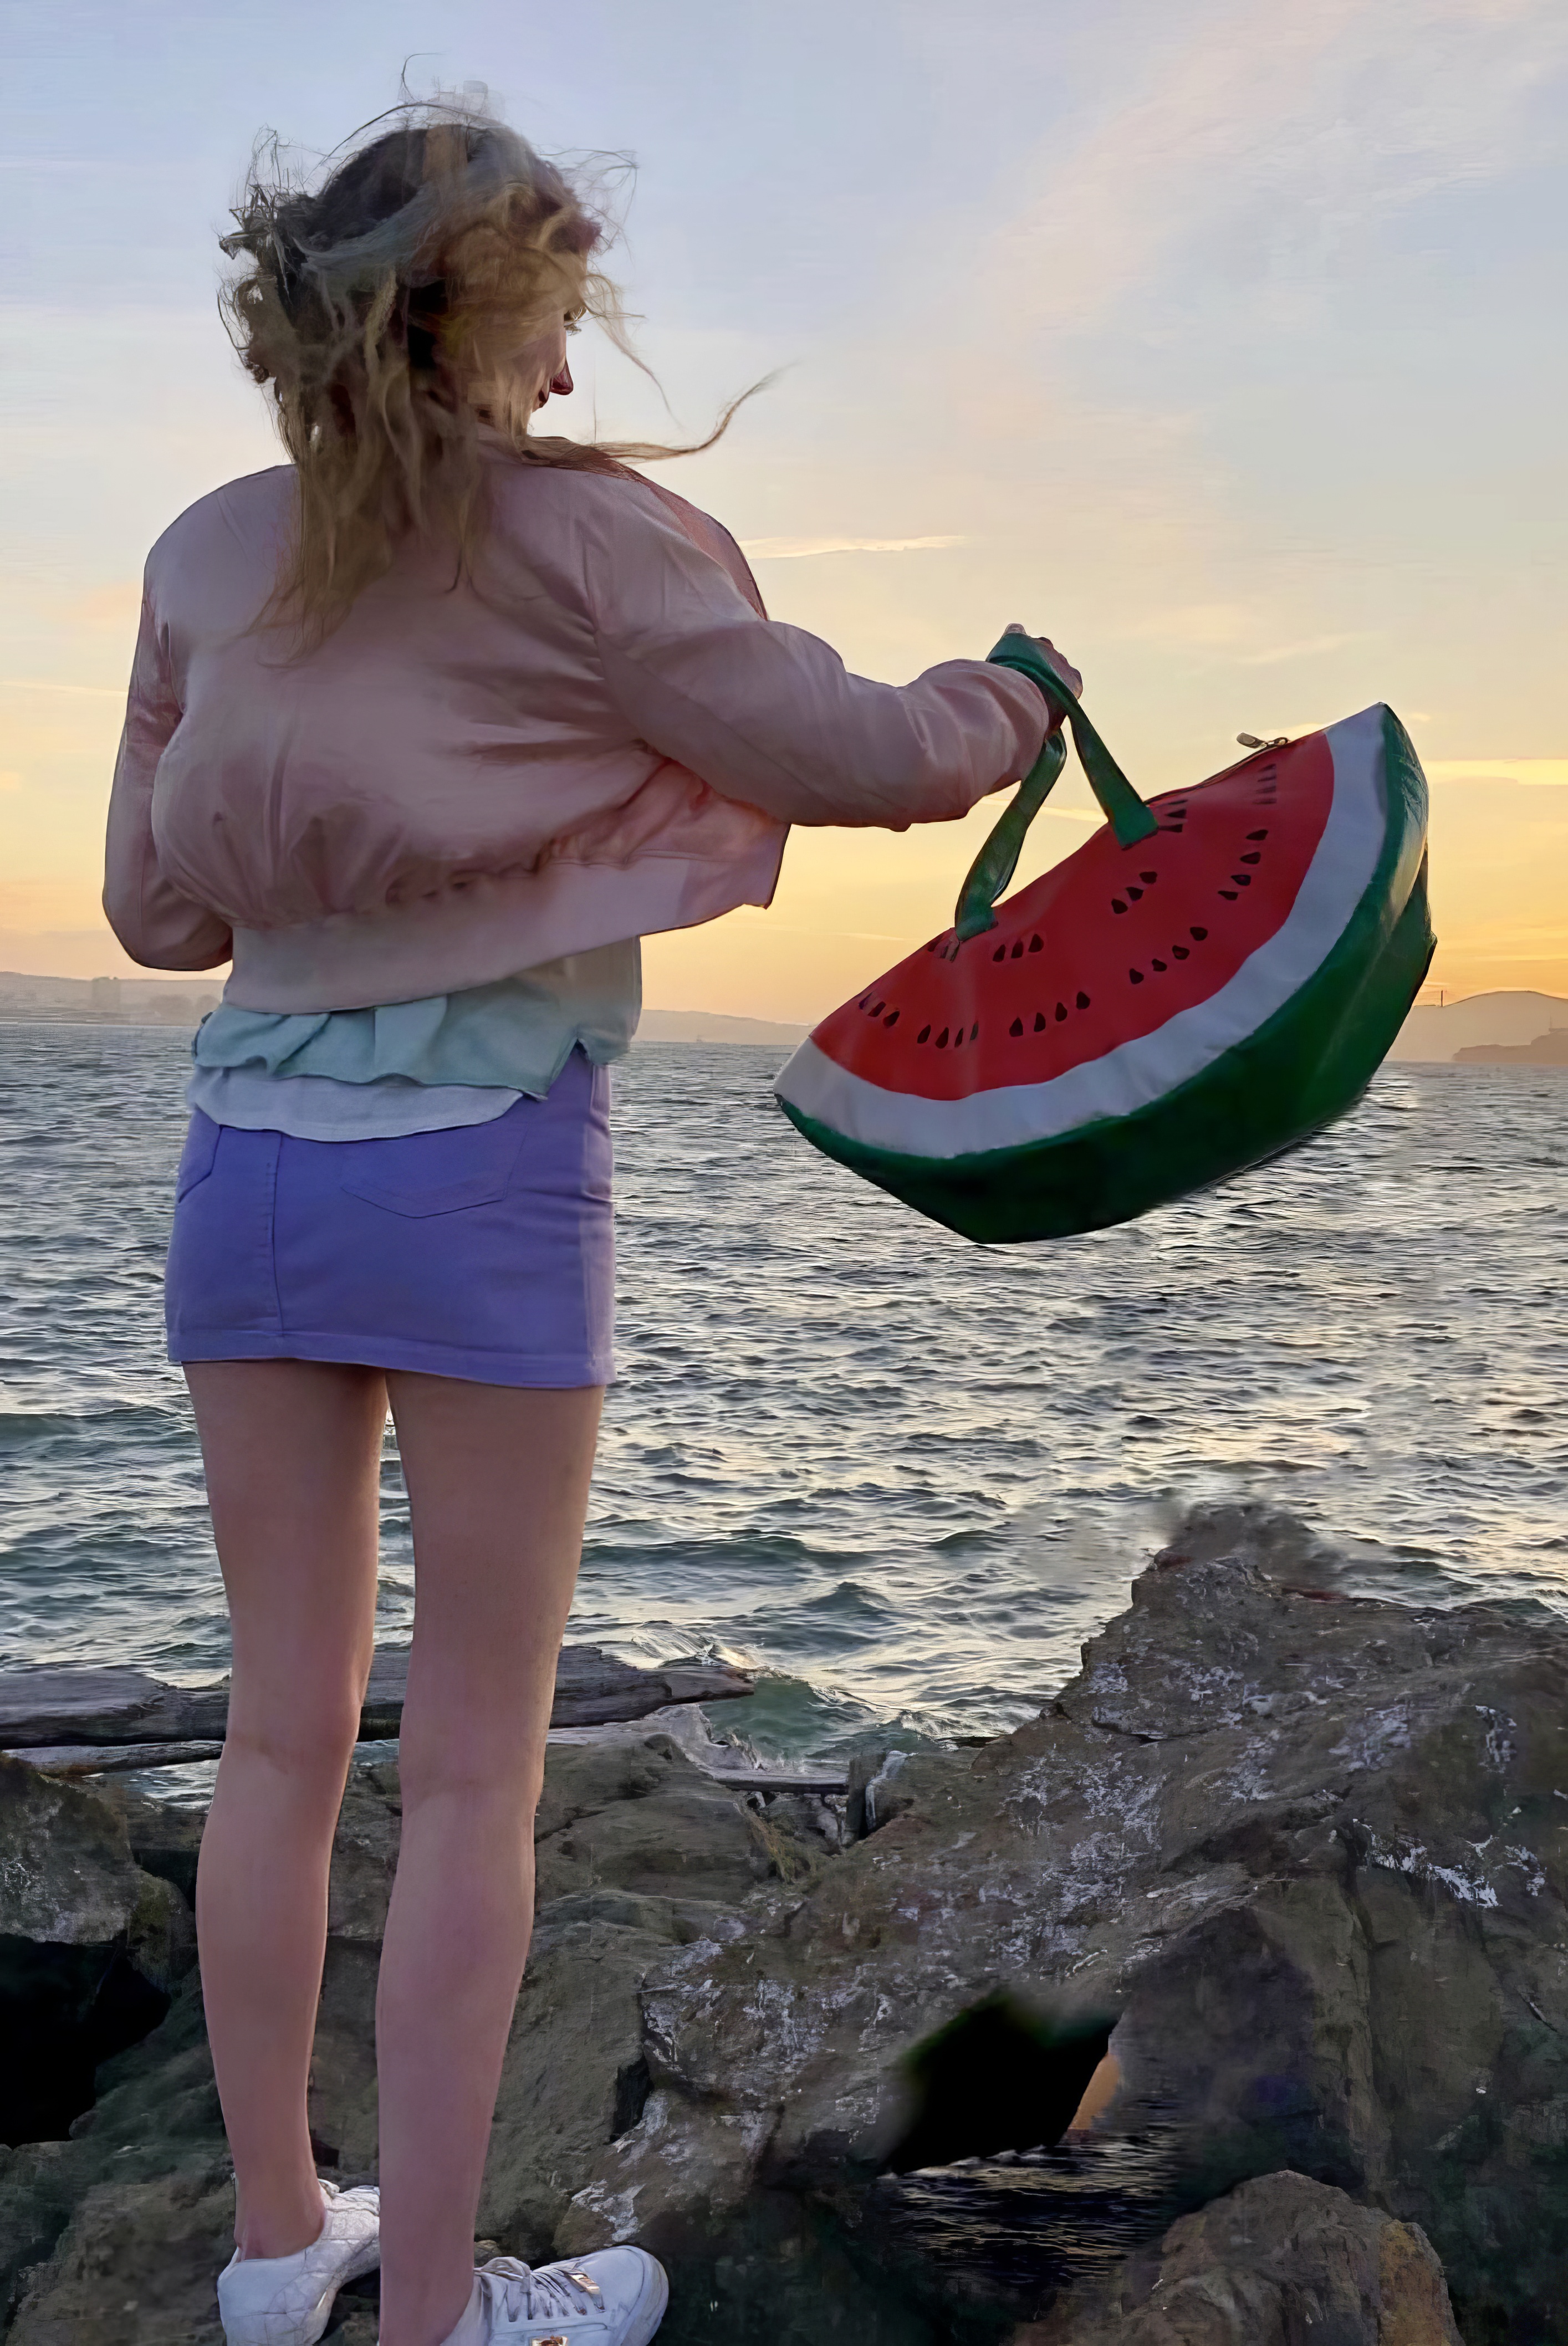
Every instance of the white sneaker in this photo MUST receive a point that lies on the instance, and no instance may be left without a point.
(614, 2298)
(286, 2301)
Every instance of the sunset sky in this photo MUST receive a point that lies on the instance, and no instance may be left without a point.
(1224, 342)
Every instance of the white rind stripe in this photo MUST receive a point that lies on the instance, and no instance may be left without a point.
(1129, 1077)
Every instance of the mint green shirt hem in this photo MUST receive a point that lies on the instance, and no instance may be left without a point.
(516, 1036)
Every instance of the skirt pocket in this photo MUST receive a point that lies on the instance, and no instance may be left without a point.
(426, 1173)
(198, 1154)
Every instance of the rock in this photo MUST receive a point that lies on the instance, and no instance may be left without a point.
(1304, 1854)
(637, 1852)
(875, 1797)
(165, 1837)
(156, 2123)
(137, 2267)
(1312, 1851)
(91, 1947)
(1245, 1531)
(1278, 2259)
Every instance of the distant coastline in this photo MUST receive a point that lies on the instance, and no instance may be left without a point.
(710, 1026)
(1548, 1050)
(160, 1002)
(103, 1001)
(1492, 1028)
(1508, 1028)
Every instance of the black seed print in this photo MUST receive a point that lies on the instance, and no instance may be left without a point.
(892, 1019)
(1197, 935)
(1083, 1001)
(1135, 895)
(1149, 878)
(924, 1035)
(1016, 1028)
(878, 1009)
(1035, 945)
(1117, 905)
(1061, 1012)
(1001, 954)
(1242, 879)
(864, 999)
(958, 1039)
(974, 1030)
(1257, 834)
(1159, 964)
(1039, 1021)
(1254, 858)
(1182, 953)
(1230, 894)
(1018, 949)
(1136, 976)
(941, 1040)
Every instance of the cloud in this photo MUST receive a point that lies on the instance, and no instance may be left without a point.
(1208, 625)
(1286, 131)
(1306, 650)
(1224, 627)
(795, 549)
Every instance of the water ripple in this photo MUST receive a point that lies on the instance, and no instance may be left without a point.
(904, 1475)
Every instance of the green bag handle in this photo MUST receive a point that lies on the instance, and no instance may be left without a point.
(1125, 812)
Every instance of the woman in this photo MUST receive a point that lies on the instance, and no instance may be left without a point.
(426, 727)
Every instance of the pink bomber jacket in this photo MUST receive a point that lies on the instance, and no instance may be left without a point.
(599, 735)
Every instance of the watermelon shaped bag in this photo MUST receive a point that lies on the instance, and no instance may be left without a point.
(1209, 979)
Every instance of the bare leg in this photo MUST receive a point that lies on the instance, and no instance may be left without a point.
(291, 1450)
(498, 1490)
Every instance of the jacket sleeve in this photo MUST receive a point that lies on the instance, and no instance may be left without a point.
(768, 714)
(158, 925)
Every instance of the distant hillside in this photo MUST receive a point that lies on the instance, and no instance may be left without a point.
(710, 1026)
(1548, 1050)
(1434, 1033)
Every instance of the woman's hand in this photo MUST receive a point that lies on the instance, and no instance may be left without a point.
(1063, 668)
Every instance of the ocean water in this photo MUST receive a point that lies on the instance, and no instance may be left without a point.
(900, 1475)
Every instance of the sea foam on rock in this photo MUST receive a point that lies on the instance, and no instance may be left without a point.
(1304, 1855)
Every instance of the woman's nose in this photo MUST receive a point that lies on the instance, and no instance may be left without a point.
(562, 384)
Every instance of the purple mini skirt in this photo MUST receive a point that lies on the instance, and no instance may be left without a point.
(486, 1252)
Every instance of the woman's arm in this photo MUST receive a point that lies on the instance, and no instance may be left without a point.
(768, 714)
(158, 925)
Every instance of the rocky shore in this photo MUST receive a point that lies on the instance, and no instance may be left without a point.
(1297, 1859)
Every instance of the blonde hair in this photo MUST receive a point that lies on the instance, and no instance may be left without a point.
(380, 311)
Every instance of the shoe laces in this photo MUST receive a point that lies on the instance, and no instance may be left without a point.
(514, 2289)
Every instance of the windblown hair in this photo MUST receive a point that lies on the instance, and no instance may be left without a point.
(381, 310)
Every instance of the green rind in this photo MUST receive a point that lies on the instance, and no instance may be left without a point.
(1303, 1067)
